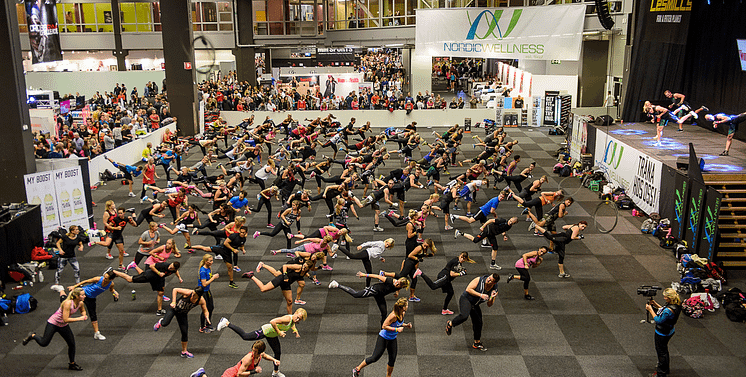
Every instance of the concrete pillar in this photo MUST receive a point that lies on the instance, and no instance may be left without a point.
(244, 51)
(422, 71)
(119, 52)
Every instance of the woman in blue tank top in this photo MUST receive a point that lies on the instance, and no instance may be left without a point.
(392, 326)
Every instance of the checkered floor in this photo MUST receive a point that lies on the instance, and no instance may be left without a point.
(587, 325)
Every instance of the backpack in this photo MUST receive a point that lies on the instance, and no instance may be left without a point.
(648, 226)
(715, 271)
(690, 278)
(24, 303)
(624, 202)
(667, 242)
(735, 312)
(733, 295)
(693, 307)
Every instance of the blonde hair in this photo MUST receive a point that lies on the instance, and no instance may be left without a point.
(434, 196)
(109, 205)
(399, 306)
(412, 214)
(404, 283)
(72, 296)
(327, 239)
(672, 296)
(303, 313)
(204, 260)
(430, 244)
(390, 241)
(239, 220)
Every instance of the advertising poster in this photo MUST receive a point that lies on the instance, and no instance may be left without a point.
(536, 113)
(627, 167)
(550, 108)
(709, 238)
(340, 84)
(680, 206)
(693, 219)
(579, 137)
(44, 36)
(40, 190)
(544, 33)
(61, 197)
(305, 84)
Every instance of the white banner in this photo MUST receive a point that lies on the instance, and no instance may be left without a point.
(538, 33)
(341, 84)
(638, 173)
(61, 197)
(579, 139)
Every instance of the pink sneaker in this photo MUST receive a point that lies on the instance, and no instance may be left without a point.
(274, 252)
(327, 267)
(290, 236)
(446, 312)
(131, 265)
(256, 234)
(259, 266)
(417, 273)
(157, 325)
(270, 226)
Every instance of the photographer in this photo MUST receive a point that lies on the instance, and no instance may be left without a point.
(665, 319)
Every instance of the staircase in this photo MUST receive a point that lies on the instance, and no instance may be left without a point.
(732, 220)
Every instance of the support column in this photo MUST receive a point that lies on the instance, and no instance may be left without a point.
(244, 51)
(118, 52)
(16, 142)
(178, 50)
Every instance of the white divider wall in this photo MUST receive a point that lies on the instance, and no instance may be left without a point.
(88, 83)
(377, 118)
(564, 84)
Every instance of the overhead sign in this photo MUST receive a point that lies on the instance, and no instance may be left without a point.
(43, 34)
(538, 33)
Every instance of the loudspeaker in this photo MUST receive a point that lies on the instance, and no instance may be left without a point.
(604, 121)
(602, 10)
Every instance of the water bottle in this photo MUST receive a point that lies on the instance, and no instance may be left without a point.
(134, 297)
(116, 298)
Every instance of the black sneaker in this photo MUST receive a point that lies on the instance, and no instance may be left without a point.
(479, 346)
(510, 278)
(724, 153)
(28, 338)
(74, 366)
(528, 297)
(160, 312)
(449, 328)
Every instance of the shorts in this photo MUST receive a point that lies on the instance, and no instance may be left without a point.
(732, 129)
(279, 281)
(223, 252)
(375, 206)
(116, 239)
(481, 217)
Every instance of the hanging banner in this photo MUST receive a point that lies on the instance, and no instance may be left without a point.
(627, 167)
(710, 214)
(61, 197)
(540, 33)
(680, 205)
(536, 111)
(694, 216)
(44, 36)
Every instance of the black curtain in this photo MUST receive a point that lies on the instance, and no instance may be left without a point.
(658, 54)
(712, 69)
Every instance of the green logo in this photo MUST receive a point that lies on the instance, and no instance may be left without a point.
(492, 19)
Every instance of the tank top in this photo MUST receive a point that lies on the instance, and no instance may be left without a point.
(184, 304)
(95, 289)
(531, 261)
(163, 254)
(388, 334)
(269, 331)
(56, 318)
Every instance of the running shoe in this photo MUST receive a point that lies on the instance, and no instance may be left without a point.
(132, 194)
(510, 278)
(316, 281)
(131, 265)
(234, 285)
(414, 299)
(563, 275)
(57, 288)
(456, 233)
(248, 275)
(187, 355)
(198, 373)
(223, 323)
(126, 254)
(28, 338)
(109, 256)
(157, 325)
(290, 236)
(333, 284)
(525, 211)
(724, 153)
(355, 372)
(218, 257)
(290, 255)
(74, 366)
(277, 374)
(256, 234)
(453, 217)
(260, 265)
(529, 297)
(236, 268)
(194, 232)
(160, 312)
(382, 273)
(495, 267)
(469, 214)
(449, 328)
(299, 302)
(166, 299)
(446, 312)
(448, 227)
(327, 267)
(378, 229)
(479, 346)
(417, 273)
(456, 208)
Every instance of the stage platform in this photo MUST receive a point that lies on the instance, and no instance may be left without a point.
(707, 144)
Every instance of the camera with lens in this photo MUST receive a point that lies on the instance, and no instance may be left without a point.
(648, 290)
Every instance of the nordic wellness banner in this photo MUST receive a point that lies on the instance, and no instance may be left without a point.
(539, 33)
(627, 167)
(44, 36)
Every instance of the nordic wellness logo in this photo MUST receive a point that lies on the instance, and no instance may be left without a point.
(612, 156)
(492, 19)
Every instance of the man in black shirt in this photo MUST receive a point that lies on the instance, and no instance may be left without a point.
(490, 230)
(228, 250)
(378, 291)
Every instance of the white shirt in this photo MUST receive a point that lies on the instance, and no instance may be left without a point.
(374, 248)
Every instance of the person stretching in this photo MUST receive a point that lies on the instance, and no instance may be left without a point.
(531, 259)
(247, 366)
(184, 301)
(452, 270)
(481, 289)
(272, 331)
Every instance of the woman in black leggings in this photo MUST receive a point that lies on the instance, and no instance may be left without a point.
(287, 218)
(265, 198)
(559, 240)
(59, 321)
(378, 291)
(373, 249)
(186, 301)
(386, 340)
(271, 331)
(410, 265)
(289, 274)
(452, 270)
(532, 259)
(481, 289)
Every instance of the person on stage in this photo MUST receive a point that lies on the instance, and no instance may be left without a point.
(732, 121)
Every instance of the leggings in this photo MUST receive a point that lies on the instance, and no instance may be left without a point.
(525, 277)
(408, 269)
(173, 211)
(444, 283)
(181, 318)
(258, 181)
(219, 235)
(274, 343)
(516, 181)
(65, 333)
(90, 308)
(536, 203)
(264, 201)
(560, 240)
(364, 257)
(61, 266)
(210, 306)
(144, 192)
(139, 256)
(397, 222)
(368, 292)
(144, 216)
(279, 227)
(466, 310)
(383, 344)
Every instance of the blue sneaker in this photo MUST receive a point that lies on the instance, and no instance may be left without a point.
(199, 373)
(414, 299)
